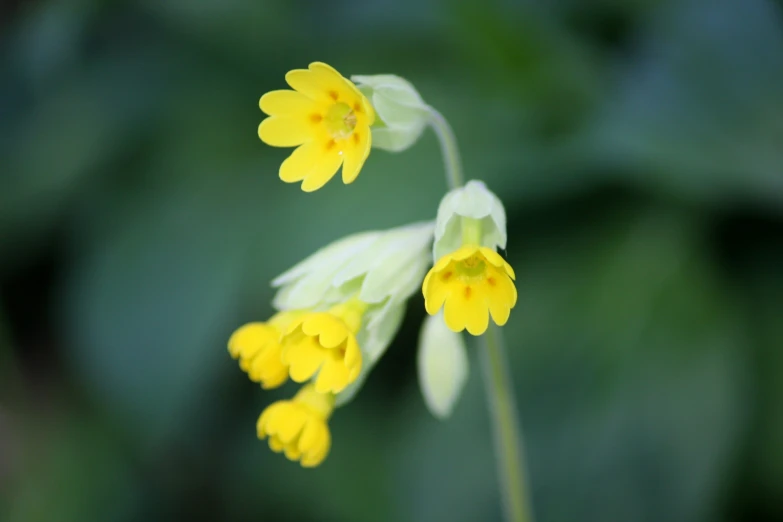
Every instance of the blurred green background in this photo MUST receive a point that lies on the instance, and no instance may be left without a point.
(637, 144)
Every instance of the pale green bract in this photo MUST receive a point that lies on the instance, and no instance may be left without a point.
(442, 364)
(401, 114)
(382, 268)
(475, 202)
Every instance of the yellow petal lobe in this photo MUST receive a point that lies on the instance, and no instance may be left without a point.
(284, 131)
(257, 346)
(287, 103)
(298, 427)
(322, 343)
(470, 284)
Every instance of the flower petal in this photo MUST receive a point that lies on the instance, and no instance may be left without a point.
(303, 81)
(298, 427)
(477, 316)
(353, 354)
(288, 423)
(356, 153)
(276, 444)
(322, 171)
(266, 415)
(313, 162)
(467, 308)
(436, 291)
(464, 252)
(495, 259)
(333, 377)
(287, 103)
(330, 330)
(273, 380)
(267, 368)
(292, 451)
(502, 296)
(309, 435)
(454, 315)
(248, 339)
(285, 131)
(304, 358)
(298, 165)
(320, 82)
(442, 263)
(314, 443)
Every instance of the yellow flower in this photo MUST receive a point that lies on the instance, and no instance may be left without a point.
(257, 346)
(298, 427)
(326, 118)
(473, 282)
(325, 343)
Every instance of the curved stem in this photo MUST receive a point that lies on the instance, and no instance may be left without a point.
(507, 433)
(499, 387)
(448, 148)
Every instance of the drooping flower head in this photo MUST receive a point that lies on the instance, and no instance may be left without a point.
(326, 117)
(469, 279)
(299, 427)
(470, 284)
(323, 345)
(257, 346)
(364, 280)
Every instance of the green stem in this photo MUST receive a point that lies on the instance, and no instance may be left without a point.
(448, 148)
(507, 433)
(499, 387)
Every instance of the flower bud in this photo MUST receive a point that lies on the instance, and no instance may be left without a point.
(443, 366)
(401, 114)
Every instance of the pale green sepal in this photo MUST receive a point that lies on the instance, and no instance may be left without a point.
(382, 269)
(442, 365)
(472, 201)
(301, 290)
(375, 336)
(400, 263)
(401, 114)
(376, 265)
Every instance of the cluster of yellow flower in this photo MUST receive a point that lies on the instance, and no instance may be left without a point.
(340, 308)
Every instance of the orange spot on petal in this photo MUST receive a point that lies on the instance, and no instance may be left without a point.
(356, 138)
(333, 95)
(491, 281)
(316, 118)
(468, 292)
(330, 144)
(357, 107)
(446, 275)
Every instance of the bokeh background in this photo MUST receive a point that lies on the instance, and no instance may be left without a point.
(637, 144)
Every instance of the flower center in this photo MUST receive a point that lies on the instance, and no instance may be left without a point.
(472, 267)
(340, 120)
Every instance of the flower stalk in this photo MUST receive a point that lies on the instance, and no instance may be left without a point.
(507, 434)
(499, 386)
(448, 149)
